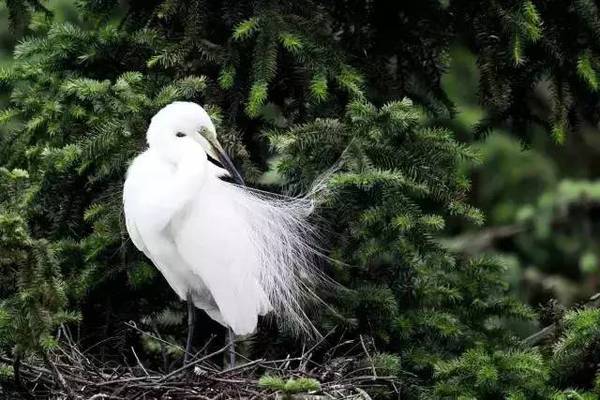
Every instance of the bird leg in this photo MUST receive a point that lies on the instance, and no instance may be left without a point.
(191, 319)
(231, 339)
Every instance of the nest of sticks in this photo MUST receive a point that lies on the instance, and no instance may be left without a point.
(68, 373)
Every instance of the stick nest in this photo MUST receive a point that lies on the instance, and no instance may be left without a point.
(69, 373)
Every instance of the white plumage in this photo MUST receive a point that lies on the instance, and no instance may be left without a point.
(238, 252)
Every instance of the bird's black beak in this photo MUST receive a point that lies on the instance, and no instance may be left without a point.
(226, 161)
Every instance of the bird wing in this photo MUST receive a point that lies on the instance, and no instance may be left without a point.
(146, 214)
(213, 236)
(144, 200)
(253, 251)
(131, 203)
(203, 247)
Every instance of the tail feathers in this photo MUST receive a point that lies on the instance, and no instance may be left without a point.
(286, 244)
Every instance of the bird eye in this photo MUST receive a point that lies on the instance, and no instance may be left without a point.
(180, 134)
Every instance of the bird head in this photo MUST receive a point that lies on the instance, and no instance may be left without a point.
(175, 125)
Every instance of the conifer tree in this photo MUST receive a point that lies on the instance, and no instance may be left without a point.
(324, 88)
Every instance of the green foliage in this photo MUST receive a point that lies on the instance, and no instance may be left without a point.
(245, 28)
(587, 72)
(227, 77)
(272, 382)
(509, 177)
(390, 172)
(560, 228)
(6, 372)
(28, 316)
(545, 225)
(554, 204)
(257, 98)
(318, 87)
(522, 44)
(386, 364)
(542, 221)
(571, 394)
(291, 386)
(527, 28)
(579, 340)
(479, 374)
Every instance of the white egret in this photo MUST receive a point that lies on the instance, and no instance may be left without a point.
(234, 252)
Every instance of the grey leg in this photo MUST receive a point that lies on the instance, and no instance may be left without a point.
(191, 319)
(231, 339)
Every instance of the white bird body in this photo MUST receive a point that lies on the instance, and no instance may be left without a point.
(237, 253)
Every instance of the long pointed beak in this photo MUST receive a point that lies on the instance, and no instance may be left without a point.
(226, 161)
